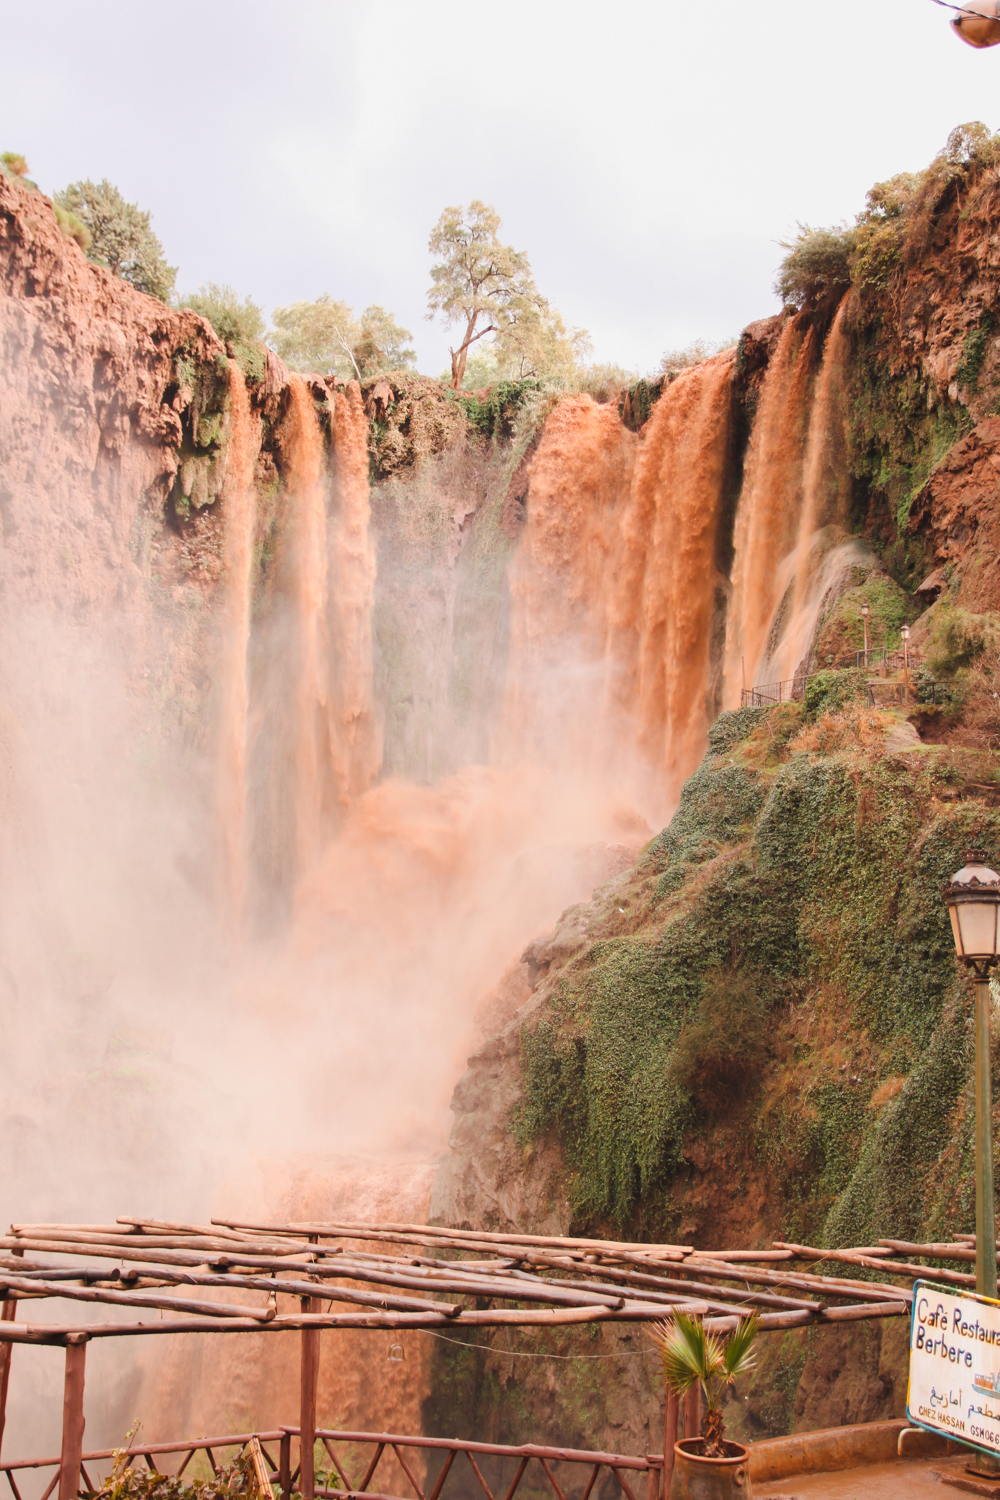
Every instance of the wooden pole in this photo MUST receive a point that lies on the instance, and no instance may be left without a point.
(285, 1465)
(692, 1412)
(669, 1439)
(73, 1421)
(7, 1315)
(307, 1406)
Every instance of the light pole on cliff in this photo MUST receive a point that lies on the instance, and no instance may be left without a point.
(973, 900)
(864, 621)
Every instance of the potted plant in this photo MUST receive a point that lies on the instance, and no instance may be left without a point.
(708, 1467)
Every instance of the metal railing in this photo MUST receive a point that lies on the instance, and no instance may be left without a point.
(891, 661)
(918, 694)
(353, 1478)
(791, 690)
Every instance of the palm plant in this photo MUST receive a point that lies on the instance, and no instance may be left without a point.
(692, 1356)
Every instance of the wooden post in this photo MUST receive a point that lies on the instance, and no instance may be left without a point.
(285, 1465)
(669, 1439)
(73, 1423)
(307, 1406)
(7, 1315)
(692, 1411)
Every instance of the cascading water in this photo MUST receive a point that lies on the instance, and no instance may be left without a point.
(770, 507)
(789, 539)
(309, 577)
(239, 514)
(826, 497)
(669, 589)
(353, 742)
(616, 587)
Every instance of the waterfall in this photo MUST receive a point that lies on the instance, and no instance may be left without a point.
(354, 748)
(668, 587)
(794, 502)
(615, 589)
(770, 506)
(825, 501)
(239, 512)
(307, 543)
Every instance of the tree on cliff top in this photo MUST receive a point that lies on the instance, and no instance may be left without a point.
(383, 343)
(120, 236)
(480, 284)
(326, 336)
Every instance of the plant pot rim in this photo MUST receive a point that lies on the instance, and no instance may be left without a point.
(732, 1460)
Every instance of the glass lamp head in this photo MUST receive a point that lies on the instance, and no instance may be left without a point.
(972, 897)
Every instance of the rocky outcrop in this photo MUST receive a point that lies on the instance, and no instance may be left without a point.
(958, 513)
(91, 413)
(488, 1180)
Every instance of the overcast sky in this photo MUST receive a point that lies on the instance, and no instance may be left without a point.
(647, 156)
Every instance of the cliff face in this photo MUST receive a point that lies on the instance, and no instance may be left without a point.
(96, 419)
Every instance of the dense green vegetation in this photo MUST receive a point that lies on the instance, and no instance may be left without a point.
(791, 891)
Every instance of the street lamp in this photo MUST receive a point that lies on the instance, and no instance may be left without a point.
(905, 633)
(864, 620)
(973, 900)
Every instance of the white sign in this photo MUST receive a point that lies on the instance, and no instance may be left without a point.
(955, 1365)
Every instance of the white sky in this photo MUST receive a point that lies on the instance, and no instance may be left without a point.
(647, 156)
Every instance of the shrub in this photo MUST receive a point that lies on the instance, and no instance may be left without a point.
(826, 692)
(696, 353)
(73, 228)
(817, 269)
(14, 163)
(606, 382)
(239, 324)
(958, 638)
(121, 237)
(721, 1043)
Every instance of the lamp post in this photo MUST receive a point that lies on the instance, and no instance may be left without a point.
(905, 633)
(864, 621)
(973, 900)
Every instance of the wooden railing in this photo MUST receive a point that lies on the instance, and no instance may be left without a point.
(354, 1477)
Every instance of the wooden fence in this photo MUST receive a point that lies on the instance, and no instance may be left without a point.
(355, 1476)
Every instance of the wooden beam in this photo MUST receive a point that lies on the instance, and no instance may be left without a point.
(71, 1456)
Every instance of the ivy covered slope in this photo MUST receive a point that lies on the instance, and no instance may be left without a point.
(764, 1031)
(758, 1031)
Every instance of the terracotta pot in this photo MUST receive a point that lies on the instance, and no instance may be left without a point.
(697, 1478)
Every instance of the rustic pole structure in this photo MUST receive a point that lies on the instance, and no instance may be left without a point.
(692, 1411)
(73, 1421)
(285, 1465)
(307, 1405)
(7, 1315)
(670, 1416)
